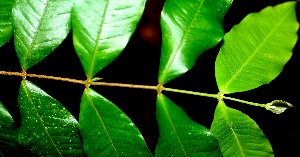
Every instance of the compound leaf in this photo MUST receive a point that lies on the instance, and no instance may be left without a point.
(102, 29)
(238, 134)
(47, 128)
(255, 51)
(189, 28)
(5, 21)
(106, 130)
(39, 27)
(9, 133)
(181, 136)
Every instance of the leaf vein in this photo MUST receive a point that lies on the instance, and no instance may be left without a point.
(181, 42)
(254, 52)
(40, 118)
(101, 120)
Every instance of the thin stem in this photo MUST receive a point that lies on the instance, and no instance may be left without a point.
(124, 85)
(158, 88)
(244, 101)
(189, 92)
(23, 74)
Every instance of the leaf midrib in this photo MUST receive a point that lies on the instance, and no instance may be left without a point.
(223, 91)
(231, 128)
(34, 38)
(98, 39)
(180, 44)
(40, 118)
(173, 127)
(101, 120)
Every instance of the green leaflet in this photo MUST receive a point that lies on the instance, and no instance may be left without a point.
(5, 20)
(238, 134)
(189, 28)
(47, 128)
(102, 29)
(181, 136)
(39, 27)
(106, 130)
(9, 133)
(255, 51)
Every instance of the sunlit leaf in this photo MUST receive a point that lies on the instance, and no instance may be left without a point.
(106, 130)
(5, 20)
(47, 127)
(9, 133)
(181, 136)
(255, 51)
(189, 27)
(238, 134)
(102, 29)
(39, 27)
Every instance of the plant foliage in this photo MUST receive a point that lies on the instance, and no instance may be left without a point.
(253, 53)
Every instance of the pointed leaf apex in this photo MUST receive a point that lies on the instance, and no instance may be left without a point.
(278, 106)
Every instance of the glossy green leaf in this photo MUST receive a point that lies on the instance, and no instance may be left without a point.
(238, 134)
(189, 28)
(181, 136)
(39, 27)
(47, 127)
(255, 51)
(5, 20)
(106, 130)
(9, 133)
(102, 29)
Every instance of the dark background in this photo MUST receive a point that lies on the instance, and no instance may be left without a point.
(139, 63)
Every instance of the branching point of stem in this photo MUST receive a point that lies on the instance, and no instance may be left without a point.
(159, 88)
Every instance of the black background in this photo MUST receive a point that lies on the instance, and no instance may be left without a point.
(138, 64)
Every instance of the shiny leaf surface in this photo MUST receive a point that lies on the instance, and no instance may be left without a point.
(106, 130)
(5, 20)
(39, 27)
(238, 134)
(255, 51)
(47, 127)
(102, 29)
(9, 133)
(189, 28)
(181, 136)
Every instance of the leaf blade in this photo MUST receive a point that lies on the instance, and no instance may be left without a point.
(188, 29)
(181, 136)
(5, 21)
(9, 133)
(262, 58)
(232, 128)
(102, 29)
(40, 26)
(47, 128)
(113, 133)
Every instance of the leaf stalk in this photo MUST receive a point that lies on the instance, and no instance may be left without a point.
(159, 88)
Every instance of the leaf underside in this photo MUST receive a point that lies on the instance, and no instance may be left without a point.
(238, 134)
(5, 21)
(189, 28)
(255, 51)
(40, 26)
(106, 130)
(181, 136)
(102, 29)
(47, 127)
